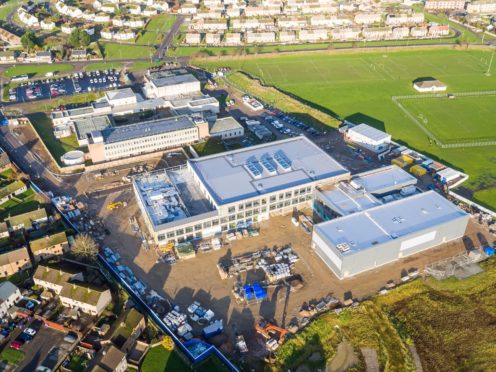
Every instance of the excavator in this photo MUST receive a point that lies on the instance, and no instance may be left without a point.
(115, 205)
(273, 334)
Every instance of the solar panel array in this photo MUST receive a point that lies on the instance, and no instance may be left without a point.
(254, 168)
(268, 164)
(282, 160)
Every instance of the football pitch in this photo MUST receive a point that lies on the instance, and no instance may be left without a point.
(464, 120)
(359, 86)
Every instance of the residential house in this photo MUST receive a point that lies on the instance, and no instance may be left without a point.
(102, 18)
(7, 56)
(89, 299)
(232, 11)
(400, 32)
(67, 28)
(260, 37)
(245, 24)
(28, 19)
(404, 19)
(187, 9)
(125, 34)
(148, 12)
(347, 33)
(312, 35)
(209, 25)
(257, 11)
(4, 157)
(212, 38)
(368, 18)
(376, 33)
(482, 7)
(193, 38)
(9, 295)
(14, 261)
(210, 14)
(52, 279)
(445, 5)
(11, 190)
(291, 23)
(4, 230)
(47, 25)
(439, 30)
(420, 31)
(131, 325)
(109, 359)
(109, 8)
(232, 38)
(9, 37)
(287, 36)
(27, 220)
(319, 9)
(49, 246)
(329, 21)
(79, 54)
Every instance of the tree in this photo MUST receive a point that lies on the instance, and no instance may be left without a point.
(28, 40)
(79, 38)
(85, 248)
(84, 39)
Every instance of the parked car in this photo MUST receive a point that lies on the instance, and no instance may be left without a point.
(16, 344)
(30, 331)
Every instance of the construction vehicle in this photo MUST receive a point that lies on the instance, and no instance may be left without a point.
(168, 247)
(273, 334)
(115, 205)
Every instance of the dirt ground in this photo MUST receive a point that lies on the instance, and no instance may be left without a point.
(198, 278)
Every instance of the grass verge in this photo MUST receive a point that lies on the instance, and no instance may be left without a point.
(36, 70)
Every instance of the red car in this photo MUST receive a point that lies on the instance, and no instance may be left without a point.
(16, 344)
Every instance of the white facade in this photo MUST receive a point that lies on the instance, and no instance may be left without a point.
(193, 38)
(9, 295)
(260, 37)
(287, 36)
(369, 137)
(368, 18)
(312, 35)
(172, 86)
(232, 38)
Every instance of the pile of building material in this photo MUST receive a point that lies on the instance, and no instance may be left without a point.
(276, 271)
(215, 328)
(174, 319)
(197, 312)
(185, 251)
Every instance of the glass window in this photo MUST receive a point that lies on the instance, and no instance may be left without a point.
(248, 205)
(294, 201)
(198, 227)
(231, 210)
(272, 207)
(272, 198)
(179, 232)
(287, 202)
(189, 229)
(232, 217)
(215, 222)
(161, 237)
(288, 195)
(241, 207)
(207, 224)
(240, 215)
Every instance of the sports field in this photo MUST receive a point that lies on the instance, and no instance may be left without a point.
(358, 86)
(461, 119)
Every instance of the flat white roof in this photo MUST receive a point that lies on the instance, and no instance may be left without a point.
(382, 180)
(345, 200)
(370, 132)
(389, 221)
(120, 94)
(240, 174)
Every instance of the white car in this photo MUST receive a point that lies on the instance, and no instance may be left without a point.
(30, 331)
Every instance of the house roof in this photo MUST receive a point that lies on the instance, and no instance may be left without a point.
(47, 241)
(82, 292)
(370, 132)
(6, 290)
(15, 255)
(108, 359)
(51, 275)
(3, 227)
(11, 188)
(28, 218)
(224, 124)
(430, 84)
(120, 94)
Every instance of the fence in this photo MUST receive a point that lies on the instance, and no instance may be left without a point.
(440, 143)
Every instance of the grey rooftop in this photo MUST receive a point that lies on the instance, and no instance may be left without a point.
(236, 175)
(390, 221)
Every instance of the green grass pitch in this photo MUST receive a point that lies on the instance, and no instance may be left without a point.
(461, 119)
(359, 85)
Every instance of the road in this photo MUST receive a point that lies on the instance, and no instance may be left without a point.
(170, 37)
(29, 162)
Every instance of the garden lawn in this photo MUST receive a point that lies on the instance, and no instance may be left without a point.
(358, 86)
(12, 356)
(211, 146)
(57, 147)
(161, 23)
(121, 51)
(37, 70)
(160, 360)
(7, 7)
(103, 66)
